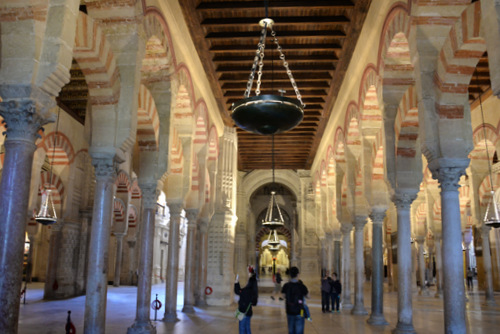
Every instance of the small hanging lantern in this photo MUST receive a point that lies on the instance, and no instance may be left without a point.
(273, 238)
(492, 216)
(267, 114)
(272, 220)
(47, 214)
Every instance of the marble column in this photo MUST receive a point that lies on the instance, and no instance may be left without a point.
(192, 216)
(377, 315)
(453, 272)
(421, 266)
(203, 261)
(439, 266)
(346, 267)
(488, 286)
(336, 256)
(403, 201)
(359, 307)
(118, 259)
(23, 123)
(97, 278)
(51, 284)
(173, 262)
(142, 324)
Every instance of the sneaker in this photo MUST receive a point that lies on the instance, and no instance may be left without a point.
(309, 319)
(272, 297)
(338, 311)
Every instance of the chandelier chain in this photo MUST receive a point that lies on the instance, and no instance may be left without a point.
(260, 50)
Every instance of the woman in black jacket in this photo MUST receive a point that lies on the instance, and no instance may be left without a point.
(248, 298)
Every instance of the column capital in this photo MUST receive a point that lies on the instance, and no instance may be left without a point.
(175, 207)
(105, 167)
(359, 222)
(192, 216)
(22, 120)
(403, 198)
(378, 214)
(346, 228)
(448, 172)
(150, 194)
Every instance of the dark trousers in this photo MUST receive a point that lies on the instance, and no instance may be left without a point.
(325, 301)
(335, 301)
(470, 284)
(295, 324)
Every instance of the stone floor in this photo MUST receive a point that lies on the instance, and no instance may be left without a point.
(43, 317)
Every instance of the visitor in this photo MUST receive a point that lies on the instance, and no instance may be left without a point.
(470, 276)
(248, 298)
(325, 293)
(277, 285)
(335, 293)
(294, 292)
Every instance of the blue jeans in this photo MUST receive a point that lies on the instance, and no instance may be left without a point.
(335, 301)
(245, 326)
(295, 324)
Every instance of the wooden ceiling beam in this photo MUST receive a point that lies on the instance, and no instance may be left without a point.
(239, 35)
(331, 57)
(233, 5)
(318, 76)
(296, 68)
(233, 47)
(253, 22)
(302, 84)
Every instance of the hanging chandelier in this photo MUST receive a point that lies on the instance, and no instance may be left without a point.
(274, 218)
(267, 114)
(491, 217)
(47, 214)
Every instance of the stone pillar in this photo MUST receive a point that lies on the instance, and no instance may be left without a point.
(173, 262)
(97, 278)
(142, 322)
(359, 307)
(192, 216)
(377, 316)
(81, 274)
(202, 265)
(488, 287)
(421, 266)
(118, 260)
(346, 266)
(336, 256)
(453, 272)
(439, 266)
(51, 285)
(403, 201)
(23, 123)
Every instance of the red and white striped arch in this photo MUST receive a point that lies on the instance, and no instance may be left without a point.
(485, 188)
(132, 216)
(123, 184)
(183, 110)
(148, 123)
(200, 138)
(93, 53)
(369, 90)
(195, 174)
(480, 142)
(323, 174)
(58, 148)
(457, 61)
(352, 122)
(176, 152)
(394, 61)
(135, 190)
(406, 125)
(339, 146)
(213, 144)
(119, 210)
(54, 183)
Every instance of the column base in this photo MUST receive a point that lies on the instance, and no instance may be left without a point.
(404, 329)
(188, 309)
(171, 317)
(359, 310)
(377, 320)
(490, 302)
(347, 306)
(142, 328)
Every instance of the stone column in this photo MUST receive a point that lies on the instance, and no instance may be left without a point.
(336, 255)
(118, 260)
(421, 266)
(142, 322)
(192, 216)
(23, 123)
(453, 272)
(346, 266)
(377, 316)
(359, 307)
(173, 263)
(403, 201)
(488, 287)
(97, 278)
(439, 266)
(51, 284)
(203, 258)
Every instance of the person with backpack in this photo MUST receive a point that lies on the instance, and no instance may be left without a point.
(248, 298)
(335, 293)
(294, 292)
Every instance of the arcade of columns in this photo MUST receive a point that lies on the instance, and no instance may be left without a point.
(403, 158)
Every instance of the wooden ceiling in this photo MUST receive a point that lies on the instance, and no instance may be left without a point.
(318, 38)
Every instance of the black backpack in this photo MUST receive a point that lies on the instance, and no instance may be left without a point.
(294, 298)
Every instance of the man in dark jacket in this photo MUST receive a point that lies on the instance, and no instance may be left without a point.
(335, 293)
(326, 288)
(294, 292)
(248, 298)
